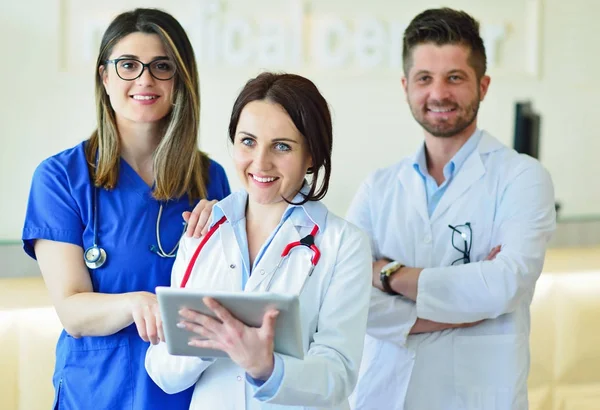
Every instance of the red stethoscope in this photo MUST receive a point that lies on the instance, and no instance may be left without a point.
(308, 241)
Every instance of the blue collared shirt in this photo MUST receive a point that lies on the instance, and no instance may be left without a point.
(435, 192)
(234, 208)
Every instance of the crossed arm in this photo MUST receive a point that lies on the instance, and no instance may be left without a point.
(405, 282)
(458, 296)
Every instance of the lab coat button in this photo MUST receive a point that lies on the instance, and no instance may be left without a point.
(239, 378)
(427, 239)
(262, 271)
(232, 266)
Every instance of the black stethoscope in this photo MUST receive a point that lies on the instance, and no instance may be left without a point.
(95, 256)
(308, 241)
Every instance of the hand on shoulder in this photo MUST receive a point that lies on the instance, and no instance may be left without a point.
(199, 219)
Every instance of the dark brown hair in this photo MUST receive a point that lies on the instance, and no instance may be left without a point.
(179, 167)
(309, 111)
(445, 26)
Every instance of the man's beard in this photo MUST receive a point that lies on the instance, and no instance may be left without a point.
(443, 129)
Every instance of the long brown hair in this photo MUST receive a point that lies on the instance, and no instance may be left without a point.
(179, 167)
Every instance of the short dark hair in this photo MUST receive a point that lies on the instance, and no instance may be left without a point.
(309, 111)
(445, 26)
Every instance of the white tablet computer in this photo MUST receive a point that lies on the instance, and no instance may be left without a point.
(248, 307)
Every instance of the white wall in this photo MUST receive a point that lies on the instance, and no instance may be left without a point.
(48, 105)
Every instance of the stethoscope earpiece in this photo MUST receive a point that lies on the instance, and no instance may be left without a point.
(94, 257)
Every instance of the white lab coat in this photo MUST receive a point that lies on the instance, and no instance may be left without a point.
(334, 307)
(509, 200)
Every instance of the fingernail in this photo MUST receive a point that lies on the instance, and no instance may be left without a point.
(181, 325)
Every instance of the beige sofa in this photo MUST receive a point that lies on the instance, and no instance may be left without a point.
(29, 329)
(565, 342)
(565, 338)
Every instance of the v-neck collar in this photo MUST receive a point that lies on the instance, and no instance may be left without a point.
(130, 178)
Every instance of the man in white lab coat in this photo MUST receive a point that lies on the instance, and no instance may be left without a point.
(459, 233)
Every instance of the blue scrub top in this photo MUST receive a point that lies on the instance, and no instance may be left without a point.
(108, 372)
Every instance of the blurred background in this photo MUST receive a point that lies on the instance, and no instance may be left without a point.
(541, 52)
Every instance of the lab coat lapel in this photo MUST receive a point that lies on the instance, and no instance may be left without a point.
(233, 258)
(414, 189)
(267, 264)
(470, 172)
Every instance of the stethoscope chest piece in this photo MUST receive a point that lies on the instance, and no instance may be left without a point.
(94, 257)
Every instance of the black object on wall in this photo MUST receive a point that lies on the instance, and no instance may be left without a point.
(527, 133)
(527, 129)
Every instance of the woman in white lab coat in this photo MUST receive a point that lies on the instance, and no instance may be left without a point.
(281, 132)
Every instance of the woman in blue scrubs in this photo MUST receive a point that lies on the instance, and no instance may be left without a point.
(121, 194)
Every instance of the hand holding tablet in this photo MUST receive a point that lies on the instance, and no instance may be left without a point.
(231, 307)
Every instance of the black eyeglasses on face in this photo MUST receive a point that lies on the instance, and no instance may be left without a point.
(462, 241)
(129, 69)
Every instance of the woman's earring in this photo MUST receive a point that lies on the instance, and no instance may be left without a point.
(309, 170)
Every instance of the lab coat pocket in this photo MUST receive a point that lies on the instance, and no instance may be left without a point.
(481, 244)
(489, 371)
(97, 375)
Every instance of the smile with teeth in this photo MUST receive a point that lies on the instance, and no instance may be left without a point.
(263, 180)
(144, 97)
(440, 110)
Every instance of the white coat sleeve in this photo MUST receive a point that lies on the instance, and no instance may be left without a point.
(525, 221)
(390, 317)
(329, 371)
(174, 374)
